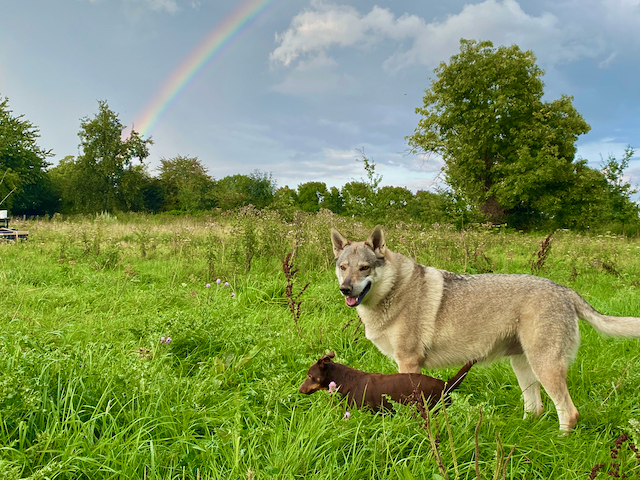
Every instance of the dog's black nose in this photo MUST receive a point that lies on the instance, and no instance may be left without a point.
(345, 290)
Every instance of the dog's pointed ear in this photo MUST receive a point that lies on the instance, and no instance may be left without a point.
(338, 241)
(326, 358)
(376, 242)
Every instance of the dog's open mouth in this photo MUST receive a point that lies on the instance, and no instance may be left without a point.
(355, 301)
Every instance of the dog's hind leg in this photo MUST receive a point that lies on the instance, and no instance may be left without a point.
(554, 380)
(549, 339)
(529, 385)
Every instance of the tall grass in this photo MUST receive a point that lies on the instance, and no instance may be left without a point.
(88, 390)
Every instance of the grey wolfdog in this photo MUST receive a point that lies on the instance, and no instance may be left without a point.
(425, 317)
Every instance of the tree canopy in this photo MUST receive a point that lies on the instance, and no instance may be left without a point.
(187, 185)
(509, 157)
(105, 176)
(504, 148)
(24, 184)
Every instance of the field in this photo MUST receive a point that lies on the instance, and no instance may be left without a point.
(91, 388)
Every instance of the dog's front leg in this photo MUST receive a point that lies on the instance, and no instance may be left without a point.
(408, 352)
(409, 364)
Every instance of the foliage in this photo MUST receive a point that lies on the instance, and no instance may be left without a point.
(373, 179)
(285, 202)
(153, 192)
(623, 209)
(186, 184)
(333, 201)
(394, 204)
(504, 148)
(311, 195)
(105, 176)
(359, 199)
(63, 181)
(527, 177)
(236, 191)
(24, 183)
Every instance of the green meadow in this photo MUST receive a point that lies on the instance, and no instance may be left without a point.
(89, 389)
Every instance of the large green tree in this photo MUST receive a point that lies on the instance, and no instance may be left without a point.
(393, 204)
(186, 184)
(109, 174)
(505, 149)
(359, 199)
(62, 178)
(24, 183)
(311, 195)
(257, 189)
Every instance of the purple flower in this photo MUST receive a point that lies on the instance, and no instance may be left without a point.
(346, 415)
(233, 294)
(218, 281)
(208, 285)
(168, 340)
(162, 339)
(333, 387)
(226, 284)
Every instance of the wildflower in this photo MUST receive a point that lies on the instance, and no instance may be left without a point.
(162, 339)
(168, 340)
(218, 281)
(208, 285)
(233, 294)
(226, 284)
(333, 387)
(346, 415)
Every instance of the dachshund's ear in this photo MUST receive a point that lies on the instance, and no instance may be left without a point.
(326, 358)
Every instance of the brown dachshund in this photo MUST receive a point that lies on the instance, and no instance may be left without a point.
(372, 389)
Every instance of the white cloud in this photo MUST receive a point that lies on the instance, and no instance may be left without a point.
(316, 30)
(502, 22)
(315, 75)
(324, 26)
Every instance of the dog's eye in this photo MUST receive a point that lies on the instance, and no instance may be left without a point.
(364, 268)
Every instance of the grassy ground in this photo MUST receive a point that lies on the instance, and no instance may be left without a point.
(89, 390)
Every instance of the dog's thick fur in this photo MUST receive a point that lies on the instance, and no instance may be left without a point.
(374, 389)
(424, 317)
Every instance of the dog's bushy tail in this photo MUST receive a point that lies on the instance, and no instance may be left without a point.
(606, 324)
(456, 380)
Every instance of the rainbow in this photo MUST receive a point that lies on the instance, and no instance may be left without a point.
(212, 45)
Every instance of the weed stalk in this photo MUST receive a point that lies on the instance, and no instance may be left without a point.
(540, 258)
(293, 300)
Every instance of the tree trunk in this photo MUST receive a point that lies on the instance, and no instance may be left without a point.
(492, 210)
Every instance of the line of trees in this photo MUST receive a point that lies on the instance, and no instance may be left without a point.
(509, 159)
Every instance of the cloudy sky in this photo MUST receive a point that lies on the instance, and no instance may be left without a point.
(306, 83)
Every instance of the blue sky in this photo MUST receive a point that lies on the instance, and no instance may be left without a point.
(308, 82)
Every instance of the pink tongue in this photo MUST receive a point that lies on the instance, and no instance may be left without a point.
(351, 301)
